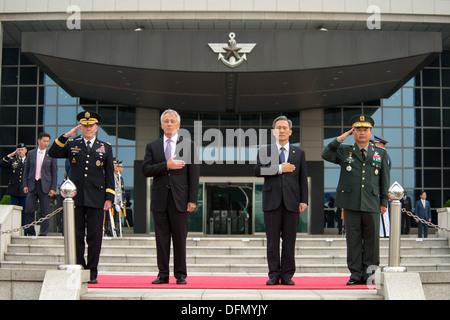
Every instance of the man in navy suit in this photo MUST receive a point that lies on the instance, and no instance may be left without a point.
(174, 193)
(423, 211)
(285, 195)
(39, 182)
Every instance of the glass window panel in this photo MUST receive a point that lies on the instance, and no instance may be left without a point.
(431, 117)
(408, 157)
(127, 155)
(27, 115)
(50, 94)
(9, 75)
(409, 117)
(446, 97)
(127, 116)
(411, 82)
(28, 75)
(396, 157)
(431, 138)
(432, 178)
(331, 176)
(432, 158)
(67, 115)
(446, 136)
(27, 95)
(394, 136)
(446, 117)
(408, 179)
(63, 129)
(250, 120)
(431, 78)
(446, 77)
(350, 113)
(107, 134)
(48, 80)
(27, 135)
(375, 113)
(393, 101)
(332, 116)
(294, 117)
(64, 98)
(127, 136)
(330, 134)
(209, 119)
(108, 115)
(445, 58)
(446, 157)
(434, 196)
(9, 96)
(24, 60)
(392, 117)
(418, 157)
(409, 97)
(226, 119)
(8, 137)
(431, 98)
(267, 118)
(10, 56)
(446, 178)
(128, 177)
(396, 175)
(8, 115)
(48, 116)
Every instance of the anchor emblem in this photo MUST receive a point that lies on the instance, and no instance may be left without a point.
(229, 53)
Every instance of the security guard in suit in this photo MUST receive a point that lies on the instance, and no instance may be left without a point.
(15, 162)
(363, 193)
(92, 171)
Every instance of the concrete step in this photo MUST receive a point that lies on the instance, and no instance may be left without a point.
(220, 254)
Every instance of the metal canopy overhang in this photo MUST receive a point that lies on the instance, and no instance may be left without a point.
(287, 70)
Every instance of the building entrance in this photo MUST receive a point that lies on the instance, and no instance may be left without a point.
(229, 208)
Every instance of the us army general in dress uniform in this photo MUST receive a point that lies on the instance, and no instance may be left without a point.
(92, 171)
(363, 193)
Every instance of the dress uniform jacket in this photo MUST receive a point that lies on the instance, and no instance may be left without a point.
(92, 172)
(15, 179)
(363, 185)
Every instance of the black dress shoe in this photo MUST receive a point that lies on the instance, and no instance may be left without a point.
(287, 282)
(160, 280)
(93, 281)
(353, 282)
(181, 281)
(272, 281)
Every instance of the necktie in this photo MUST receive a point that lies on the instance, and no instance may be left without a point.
(88, 144)
(282, 157)
(423, 203)
(168, 152)
(38, 166)
(363, 154)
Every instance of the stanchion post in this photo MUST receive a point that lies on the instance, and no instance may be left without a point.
(396, 192)
(68, 191)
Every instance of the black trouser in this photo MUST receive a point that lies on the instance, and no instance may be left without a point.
(171, 224)
(44, 203)
(362, 231)
(281, 223)
(92, 220)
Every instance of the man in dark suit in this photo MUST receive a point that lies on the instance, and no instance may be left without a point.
(91, 169)
(173, 195)
(15, 162)
(285, 195)
(363, 194)
(39, 182)
(406, 221)
(423, 211)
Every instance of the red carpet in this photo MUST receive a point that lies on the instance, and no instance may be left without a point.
(223, 282)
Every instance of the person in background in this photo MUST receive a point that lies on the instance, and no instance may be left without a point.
(406, 221)
(15, 162)
(423, 211)
(39, 183)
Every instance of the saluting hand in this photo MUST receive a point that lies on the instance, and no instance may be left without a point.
(345, 134)
(72, 132)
